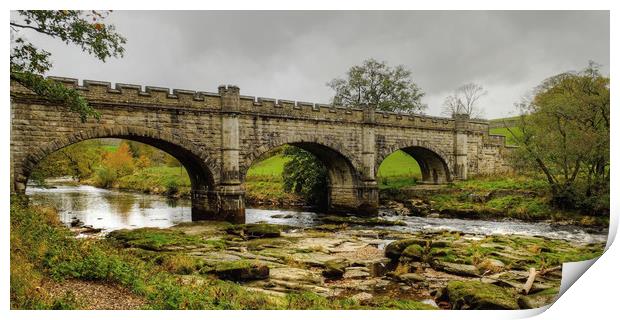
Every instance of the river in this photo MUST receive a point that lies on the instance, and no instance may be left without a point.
(112, 209)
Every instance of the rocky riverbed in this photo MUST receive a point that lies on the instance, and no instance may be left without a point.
(345, 259)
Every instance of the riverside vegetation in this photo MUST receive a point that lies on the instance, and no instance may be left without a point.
(335, 265)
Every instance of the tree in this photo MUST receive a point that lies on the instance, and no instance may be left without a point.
(564, 133)
(82, 28)
(305, 175)
(78, 160)
(120, 162)
(464, 101)
(379, 86)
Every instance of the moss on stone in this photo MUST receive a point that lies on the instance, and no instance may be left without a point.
(413, 252)
(238, 270)
(394, 249)
(256, 230)
(154, 238)
(478, 295)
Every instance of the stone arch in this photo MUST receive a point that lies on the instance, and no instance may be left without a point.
(320, 142)
(434, 163)
(346, 188)
(196, 161)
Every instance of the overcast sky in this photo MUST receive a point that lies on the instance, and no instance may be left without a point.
(291, 55)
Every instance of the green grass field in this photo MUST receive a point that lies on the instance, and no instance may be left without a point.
(510, 139)
(270, 168)
(397, 170)
(399, 164)
(109, 148)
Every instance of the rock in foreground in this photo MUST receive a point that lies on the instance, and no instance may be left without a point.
(479, 296)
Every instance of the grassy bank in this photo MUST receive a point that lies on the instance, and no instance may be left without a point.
(45, 255)
(520, 197)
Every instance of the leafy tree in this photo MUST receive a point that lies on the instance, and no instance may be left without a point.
(305, 175)
(120, 162)
(464, 100)
(84, 29)
(564, 133)
(377, 85)
(77, 160)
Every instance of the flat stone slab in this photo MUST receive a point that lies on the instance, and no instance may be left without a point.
(295, 274)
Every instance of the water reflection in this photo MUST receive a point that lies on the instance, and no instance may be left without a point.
(110, 210)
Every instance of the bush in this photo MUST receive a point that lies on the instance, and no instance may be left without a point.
(172, 187)
(105, 177)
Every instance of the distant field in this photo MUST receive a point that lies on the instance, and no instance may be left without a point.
(397, 170)
(271, 167)
(399, 163)
(109, 148)
(504, 132)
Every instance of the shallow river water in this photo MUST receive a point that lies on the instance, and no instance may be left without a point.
(112, 209)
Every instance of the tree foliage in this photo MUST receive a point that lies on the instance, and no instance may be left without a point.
(375, 84)
(79, 161)
(464, 100)
(564, 133)
(305, 175)
(120, 161)
(84, 29)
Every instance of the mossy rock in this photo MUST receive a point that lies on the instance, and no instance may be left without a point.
(239, 271)
(154, 238)
(538, 300)
(255, 230)
(334, 269)
(480, 296)
(394, 249)
(440, 244)
(413, 252)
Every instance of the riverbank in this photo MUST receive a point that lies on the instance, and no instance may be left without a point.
(344, 265)
(487, 198)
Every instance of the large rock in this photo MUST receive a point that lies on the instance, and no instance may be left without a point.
(456, 268)
(240, 271)
(538, 300)
(334, 269)
(396, 248)
(413, 252)
(295, 275)
(480, 296)
(362, 297)
(255, 230)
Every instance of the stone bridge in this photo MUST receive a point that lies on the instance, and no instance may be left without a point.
(218, 136)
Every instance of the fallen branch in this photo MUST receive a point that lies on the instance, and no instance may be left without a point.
(544, 271)
(530, 281)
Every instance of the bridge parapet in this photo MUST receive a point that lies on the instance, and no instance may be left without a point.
(132, 94)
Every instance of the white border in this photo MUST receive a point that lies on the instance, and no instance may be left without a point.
(592, 296)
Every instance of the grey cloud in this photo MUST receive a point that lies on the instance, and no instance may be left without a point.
(293, 54)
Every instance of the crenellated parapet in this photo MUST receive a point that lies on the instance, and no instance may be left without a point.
(100, 92)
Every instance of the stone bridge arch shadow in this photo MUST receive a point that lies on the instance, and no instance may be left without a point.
(434, 163)
(347, 192)
(196, 161)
